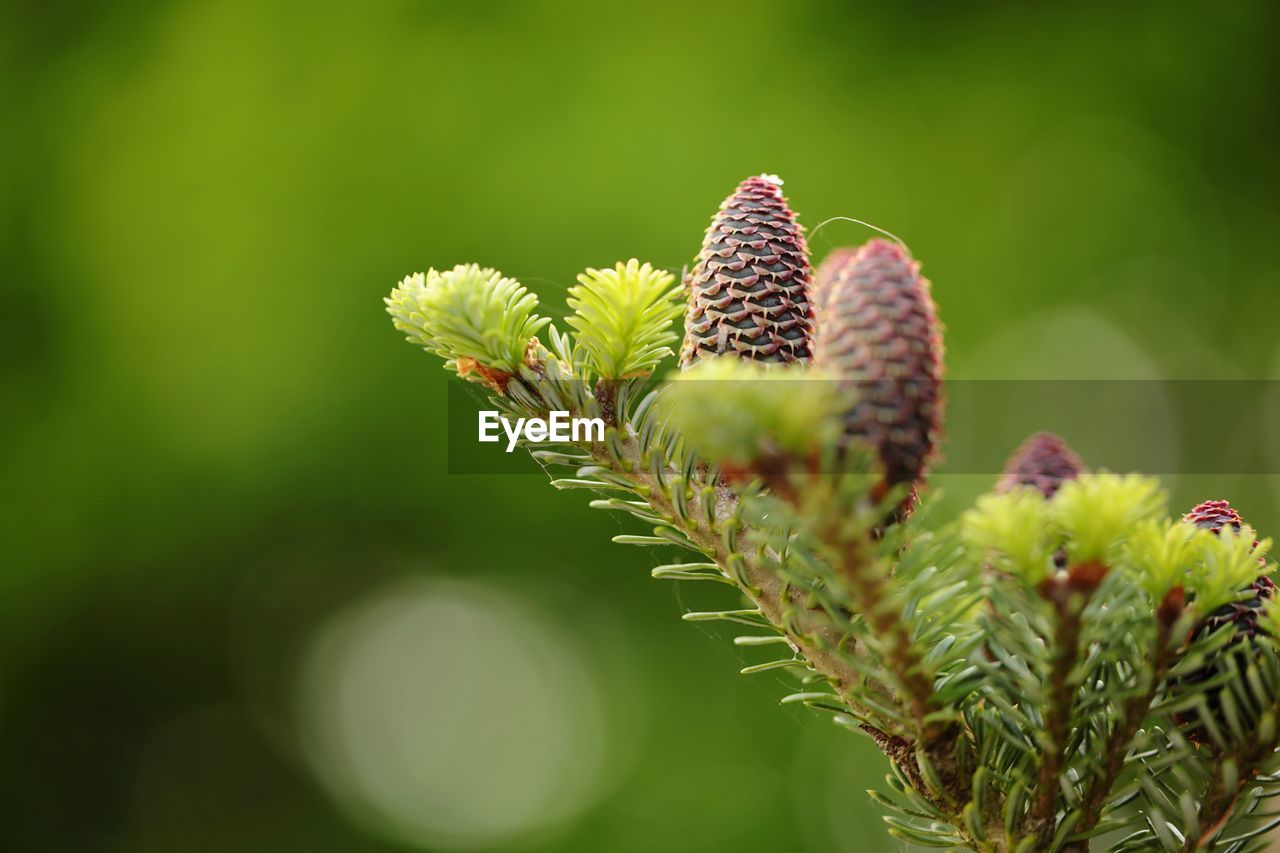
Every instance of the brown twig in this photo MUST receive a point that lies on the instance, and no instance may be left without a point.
(1218, 803)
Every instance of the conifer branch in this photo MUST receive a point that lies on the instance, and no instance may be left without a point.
(1068, 593)
(825, 647)
(1064, 662)
(1132, 713)
(1062, 688)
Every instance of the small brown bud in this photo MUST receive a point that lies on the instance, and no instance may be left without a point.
(1086, 577)
(1171, 607)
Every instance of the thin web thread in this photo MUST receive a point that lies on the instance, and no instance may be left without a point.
(894, 237)
(682, 271)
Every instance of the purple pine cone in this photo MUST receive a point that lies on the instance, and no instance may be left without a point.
(829, 272)
(1044, 462)
(878, 328)
(749, 291)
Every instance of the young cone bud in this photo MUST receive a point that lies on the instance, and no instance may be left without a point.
(878, 329)
(1214, 516)
(1044, 462)
(749, 291)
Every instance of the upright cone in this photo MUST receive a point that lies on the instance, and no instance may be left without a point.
(749, 290)
(1043, 462)
(1215, 515)
(829, 272)
(878, 329)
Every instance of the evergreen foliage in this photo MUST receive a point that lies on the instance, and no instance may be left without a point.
(477, 319)
(623, 318)
(1066, 665)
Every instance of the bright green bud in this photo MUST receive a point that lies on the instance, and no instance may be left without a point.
(1098, 512)
(1226, 563)
(739, 413)
(479, 320)
(1269, 618)
(623, 318)
(1011, 531)
(1160, 552)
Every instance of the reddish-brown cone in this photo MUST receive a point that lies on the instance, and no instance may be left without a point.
(1215, 515)
(1044, 462)
(828, 273)
(878, 328)
(749, 290)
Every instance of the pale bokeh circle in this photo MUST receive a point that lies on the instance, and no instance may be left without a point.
(450, 714)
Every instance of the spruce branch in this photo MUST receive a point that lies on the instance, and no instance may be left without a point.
(1064, 663)
(1161, 551)
(712, 533)
(1232, 771)
(1133, 711)
(1068, 593)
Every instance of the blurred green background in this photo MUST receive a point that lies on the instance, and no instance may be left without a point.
(244, 608)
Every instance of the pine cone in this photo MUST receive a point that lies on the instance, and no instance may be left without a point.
(1044, 462)
(1215, 515)
(749, 291)
(878, 328)
(829, 272)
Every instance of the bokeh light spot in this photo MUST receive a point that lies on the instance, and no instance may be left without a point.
(449, 714)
